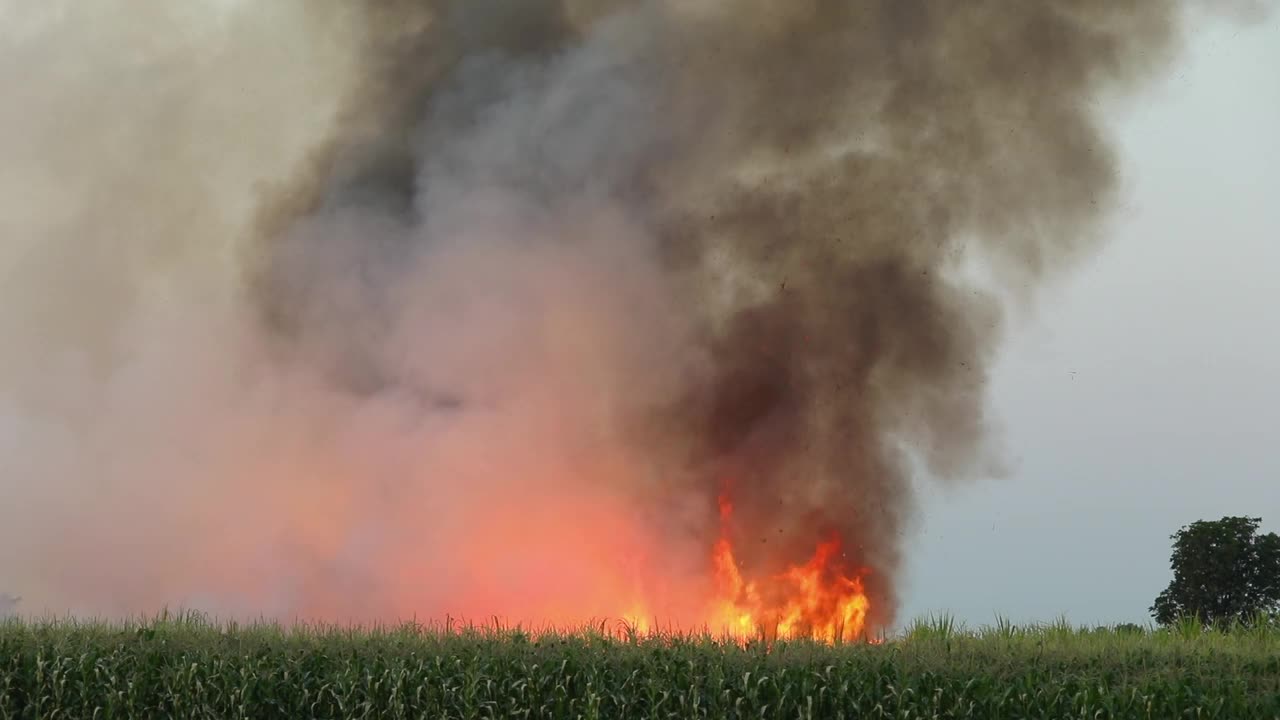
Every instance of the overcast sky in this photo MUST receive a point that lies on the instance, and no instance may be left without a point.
(1145, 392)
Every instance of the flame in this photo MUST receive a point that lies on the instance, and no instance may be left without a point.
(815, 600)
(524, 565)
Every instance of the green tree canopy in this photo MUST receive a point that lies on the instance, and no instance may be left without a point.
(1223, 570)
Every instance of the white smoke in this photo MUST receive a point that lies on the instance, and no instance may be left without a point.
(157, 451)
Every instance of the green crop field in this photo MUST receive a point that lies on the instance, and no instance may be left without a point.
(189, 668)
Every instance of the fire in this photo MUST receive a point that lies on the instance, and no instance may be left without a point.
(814, 600)
(525, 566)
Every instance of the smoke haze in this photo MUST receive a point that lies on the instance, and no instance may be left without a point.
(360, 311)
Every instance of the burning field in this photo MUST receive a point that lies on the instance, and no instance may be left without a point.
(553, 311)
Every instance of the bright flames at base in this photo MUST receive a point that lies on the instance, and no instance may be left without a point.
(815, 600)
(816, 603)
(527, 567)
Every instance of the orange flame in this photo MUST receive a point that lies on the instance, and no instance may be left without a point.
(525, 566)
(815, 600)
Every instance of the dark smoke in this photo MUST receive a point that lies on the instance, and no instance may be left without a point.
(819, 179)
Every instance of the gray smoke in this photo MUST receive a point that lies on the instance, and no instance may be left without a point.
(371, 309)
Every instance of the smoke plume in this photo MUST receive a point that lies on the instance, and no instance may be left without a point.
(363, 310)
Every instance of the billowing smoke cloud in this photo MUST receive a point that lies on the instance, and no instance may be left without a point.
(358, 311)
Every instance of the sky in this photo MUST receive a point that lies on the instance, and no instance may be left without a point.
(1142, 394)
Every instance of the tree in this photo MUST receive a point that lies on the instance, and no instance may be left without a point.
(1223, 571)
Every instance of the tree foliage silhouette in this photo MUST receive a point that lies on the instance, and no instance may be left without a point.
(1223, 571)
